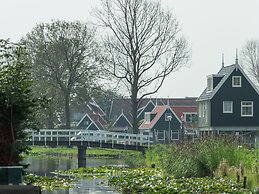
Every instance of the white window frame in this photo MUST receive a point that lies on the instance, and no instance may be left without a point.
(147, 117)
(244, 105)
(203, 109)
(209, 83)
(191, 115)
(233, 81)
(168, 116)
(225, 105)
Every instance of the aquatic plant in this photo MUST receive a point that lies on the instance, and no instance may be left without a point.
(153, 181)
(48, 183)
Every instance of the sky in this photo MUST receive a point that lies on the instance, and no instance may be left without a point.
(212, 27)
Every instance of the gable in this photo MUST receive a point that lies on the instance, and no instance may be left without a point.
(148, 108)
(159, 120)
(122, 121)
(84, 122)
(227, 73)
(247, 89)
(92, 126)
(165, 124)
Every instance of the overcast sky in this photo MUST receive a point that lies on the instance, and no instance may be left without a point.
(212, 27)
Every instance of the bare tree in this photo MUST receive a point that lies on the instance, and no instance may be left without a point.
(64, 57)
(250, 58)
(144, 46)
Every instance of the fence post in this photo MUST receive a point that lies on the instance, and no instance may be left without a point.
(112, 140)
(125, 140)
(57, 137)
(141, 139)
(238, 178)
(81, 135)
(101, 135)
(45, 138)
(244, 185)
(136, 141)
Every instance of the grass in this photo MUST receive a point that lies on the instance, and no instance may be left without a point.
(91, 152)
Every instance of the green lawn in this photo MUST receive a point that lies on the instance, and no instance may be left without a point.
(38, 150)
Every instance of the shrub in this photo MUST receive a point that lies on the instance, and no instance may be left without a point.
(196, 159)
(134, 160)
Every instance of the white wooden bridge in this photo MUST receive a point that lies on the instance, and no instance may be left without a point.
(87, 138)
(76, 137)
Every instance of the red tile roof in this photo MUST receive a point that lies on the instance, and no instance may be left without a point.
(158, 112)
(180, 110)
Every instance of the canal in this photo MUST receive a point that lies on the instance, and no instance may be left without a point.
(44, 166)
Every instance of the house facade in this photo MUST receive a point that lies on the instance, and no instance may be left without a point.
(170, 123)
(163, 123)
(229, 104)
(121, 117)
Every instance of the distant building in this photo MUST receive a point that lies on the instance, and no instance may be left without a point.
(170, 123)
(151, 116)
(93, 118)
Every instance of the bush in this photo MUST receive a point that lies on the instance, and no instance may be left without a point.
(135, 160)
(196, 159)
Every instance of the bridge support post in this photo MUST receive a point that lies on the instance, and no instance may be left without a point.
(81, 156)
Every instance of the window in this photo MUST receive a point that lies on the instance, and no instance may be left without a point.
(236, 81)
(190, 117)
(247, 108)
(227, 106)
(168, 116)
(147, 117)
(203, 109)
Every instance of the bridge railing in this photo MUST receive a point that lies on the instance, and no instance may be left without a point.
(82, 136)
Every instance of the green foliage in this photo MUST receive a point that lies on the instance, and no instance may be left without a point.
(196, 159)
(153, 181)
(48, 183)
(17, 106)
(134, 160)
(66, 66)
(91, 152)
(91, 172)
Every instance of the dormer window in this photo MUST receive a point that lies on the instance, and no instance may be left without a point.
(236, 81)
(209, 83)
(147, 117)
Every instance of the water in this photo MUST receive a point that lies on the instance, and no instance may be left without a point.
(44, 166)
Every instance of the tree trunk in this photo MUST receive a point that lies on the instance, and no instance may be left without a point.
(67, 110)
(50, 118)
(134, 109)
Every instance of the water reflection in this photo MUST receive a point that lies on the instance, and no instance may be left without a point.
(44, 167)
